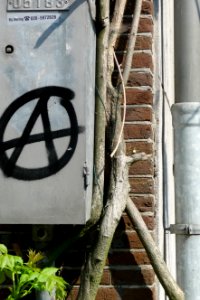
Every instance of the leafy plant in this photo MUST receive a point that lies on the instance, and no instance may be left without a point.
(28, 276)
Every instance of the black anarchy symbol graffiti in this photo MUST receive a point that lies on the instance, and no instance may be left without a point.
(9, 164)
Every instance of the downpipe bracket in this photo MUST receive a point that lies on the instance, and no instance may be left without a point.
(185, 229)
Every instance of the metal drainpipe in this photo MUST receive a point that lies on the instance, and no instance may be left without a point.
(186, 122)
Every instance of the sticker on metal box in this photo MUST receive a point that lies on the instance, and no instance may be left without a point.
(38, 5)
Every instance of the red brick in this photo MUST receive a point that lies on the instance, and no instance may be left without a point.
(107, 294)
(128, 276)
(143, 43)
(126, 240)
(145, 25)
(138, 294)
(144, 203)
(147, 8)
(146, 147)
(125, 293)
(141, 258)
(73, 294)
(142, 185)
(140, 79)
(138, 114)
(143, 167)
(106, 278)
(149, 221)
(142, 60)
(138, 131)
(137, 96)
(139, 60)
(127, 224)
(119, 293)
(73, 276)
(128, 258)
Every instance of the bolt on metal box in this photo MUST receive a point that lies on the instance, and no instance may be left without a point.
(47, 78)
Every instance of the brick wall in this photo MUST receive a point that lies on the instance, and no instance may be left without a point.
(128, 274)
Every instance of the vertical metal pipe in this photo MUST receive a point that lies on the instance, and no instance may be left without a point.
(186, 122)
(187, 50)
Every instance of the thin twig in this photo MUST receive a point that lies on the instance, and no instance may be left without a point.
(124, 108)
(114, 33)
(132, 39)
(116, 21)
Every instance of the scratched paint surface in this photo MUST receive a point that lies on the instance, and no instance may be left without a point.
(47, 112)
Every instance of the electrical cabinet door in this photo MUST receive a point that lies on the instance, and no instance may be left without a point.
(47, 71)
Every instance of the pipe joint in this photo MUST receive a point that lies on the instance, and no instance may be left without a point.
(185, 229)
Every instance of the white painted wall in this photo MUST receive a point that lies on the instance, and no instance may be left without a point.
(164, 98)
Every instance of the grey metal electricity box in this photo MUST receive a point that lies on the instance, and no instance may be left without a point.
(47, 74)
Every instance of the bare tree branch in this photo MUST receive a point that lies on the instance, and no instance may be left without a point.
(132, 39)
(114, 33)
(124, 108)
(171, 287)
(100, 113)
(118, 192)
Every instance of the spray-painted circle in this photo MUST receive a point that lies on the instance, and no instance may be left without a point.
(9, 164)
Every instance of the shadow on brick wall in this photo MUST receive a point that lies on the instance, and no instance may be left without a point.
(127, 273)
(130, 272)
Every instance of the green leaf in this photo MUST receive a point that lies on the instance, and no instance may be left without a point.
(25, 293)
(10, 262)
(60, 282)
(49, 271)
(26, 269)
(8, 274)
(17, 260)
(50, 286)
(33, 276)
(4, 262)
(34, 257)
(28, 276)
(23, 278)
(60, 293)
(42, 278)
(3, 249)
(10, 298)
(2, 277)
